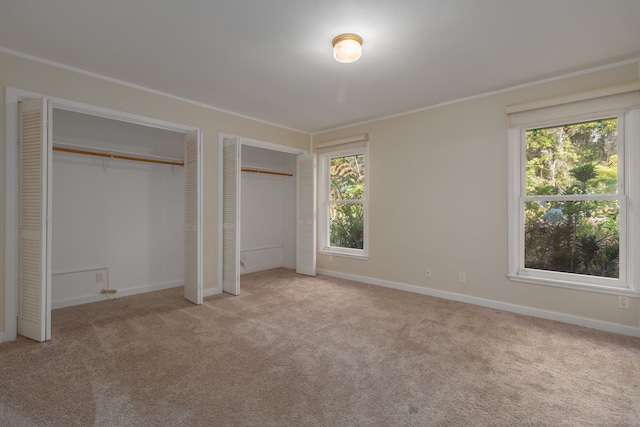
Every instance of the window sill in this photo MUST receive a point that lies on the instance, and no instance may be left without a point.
(573, 285)
(361, 256)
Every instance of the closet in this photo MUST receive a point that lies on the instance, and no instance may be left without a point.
(29, 216)
(267, 216)
(118, 214)
(268, 209)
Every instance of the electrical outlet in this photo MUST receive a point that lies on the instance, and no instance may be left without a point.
(427, 272)
(99, 276)
(623, 302)
(462, 277)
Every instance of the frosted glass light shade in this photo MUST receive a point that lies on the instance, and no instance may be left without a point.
(347, 48)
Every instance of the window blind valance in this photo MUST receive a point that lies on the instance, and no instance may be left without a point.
(356, 141)
(562, 109)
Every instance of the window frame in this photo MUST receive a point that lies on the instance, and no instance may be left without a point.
(324, 216)
(628, 195)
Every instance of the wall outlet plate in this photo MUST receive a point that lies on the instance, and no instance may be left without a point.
(623, 302)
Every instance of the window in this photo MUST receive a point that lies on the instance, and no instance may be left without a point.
(343, 202)
(571, 202)
(571, 195)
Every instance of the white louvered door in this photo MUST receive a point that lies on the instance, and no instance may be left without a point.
(193, 218)
(231, 216)
(306, 215)
(34, 283)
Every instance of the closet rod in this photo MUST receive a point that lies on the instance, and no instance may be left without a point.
(117, 156)
(267, 172)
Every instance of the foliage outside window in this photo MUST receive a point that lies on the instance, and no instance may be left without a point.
(574, 191)
(346, 201)
(571, 204)
(344, 217)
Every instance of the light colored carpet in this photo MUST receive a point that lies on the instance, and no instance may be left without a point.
(303, 351)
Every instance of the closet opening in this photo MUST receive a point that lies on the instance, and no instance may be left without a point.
(29, 120)
(117, 208)
(268, 210)
(259, 209)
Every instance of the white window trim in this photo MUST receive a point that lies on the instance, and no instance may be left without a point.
(629, 148)
(323, 206)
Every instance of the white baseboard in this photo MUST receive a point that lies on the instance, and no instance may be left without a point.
(520, 309)
(150, 288)
(81, 300)
(7, 335)
(261, 268)
(211, 292)
(121, 293)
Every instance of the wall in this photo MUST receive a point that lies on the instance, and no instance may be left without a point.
(267, 211)
(123, 215)
(55, 81)
(438, 198)
(109, 134)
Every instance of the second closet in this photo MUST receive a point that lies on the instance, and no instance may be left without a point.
(268, 209)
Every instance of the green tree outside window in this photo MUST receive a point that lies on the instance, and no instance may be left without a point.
(573, 236)
(346, 205)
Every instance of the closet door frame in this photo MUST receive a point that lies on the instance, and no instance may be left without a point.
(241, 141)
(12, 97)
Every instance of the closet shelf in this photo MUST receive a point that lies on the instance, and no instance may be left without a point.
(117, 156)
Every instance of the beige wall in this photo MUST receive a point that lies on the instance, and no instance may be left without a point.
(438, 198)
(51, 81)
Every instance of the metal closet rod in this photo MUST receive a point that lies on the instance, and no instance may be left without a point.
(117, 156)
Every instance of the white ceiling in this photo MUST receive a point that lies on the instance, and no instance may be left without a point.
(271, 60)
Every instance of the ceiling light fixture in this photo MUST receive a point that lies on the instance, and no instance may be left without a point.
(347, 48)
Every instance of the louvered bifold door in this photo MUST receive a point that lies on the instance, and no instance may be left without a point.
(34, 276)
(193, 218)
(306, 215)
(231, 216)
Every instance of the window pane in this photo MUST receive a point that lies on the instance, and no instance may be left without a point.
(347, 177)
(346, 226)
(573, 237)
(580, 158)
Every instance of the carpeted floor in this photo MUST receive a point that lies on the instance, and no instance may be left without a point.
(303, 351)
